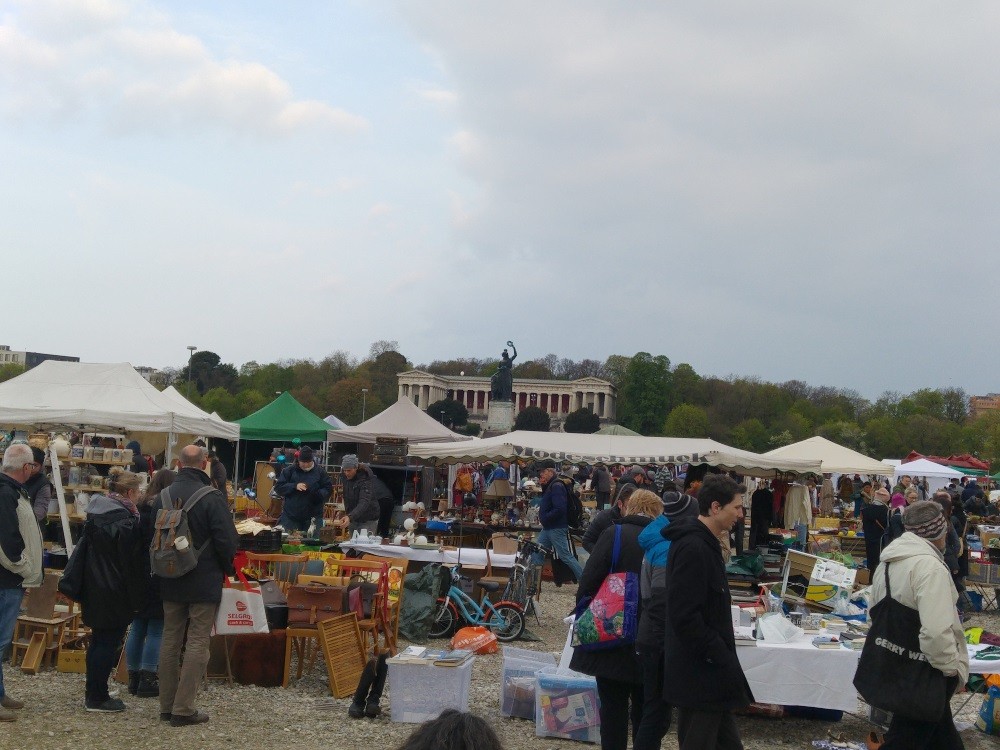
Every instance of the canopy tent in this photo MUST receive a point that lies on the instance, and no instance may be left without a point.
(78, 395)
(616, 429)
(402, 419)
(283, 419)
(937, 475)
(836, 459)
(961, 461)
(612, 449)
(335, 423)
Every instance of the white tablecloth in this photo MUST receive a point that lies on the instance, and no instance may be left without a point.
(470, 555)
(799, 674)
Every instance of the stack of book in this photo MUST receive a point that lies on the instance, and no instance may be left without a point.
(436, 657)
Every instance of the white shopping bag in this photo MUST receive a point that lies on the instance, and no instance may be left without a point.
(241, 610)
(567, 652)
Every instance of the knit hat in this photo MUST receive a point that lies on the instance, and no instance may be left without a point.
(636, 469)
(898, 501)
(305, 455)
(882, 494)
(925, 519)
(350, 461)
(676, 505)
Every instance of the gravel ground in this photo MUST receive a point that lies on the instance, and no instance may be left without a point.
(277, 718)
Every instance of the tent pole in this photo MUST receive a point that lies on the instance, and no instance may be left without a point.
(61, 497)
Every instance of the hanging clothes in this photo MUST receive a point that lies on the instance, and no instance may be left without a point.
(826, 496)
(798, 508)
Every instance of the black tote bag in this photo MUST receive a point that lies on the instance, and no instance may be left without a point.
(892, 673)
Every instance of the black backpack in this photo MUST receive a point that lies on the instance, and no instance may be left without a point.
(574, 506)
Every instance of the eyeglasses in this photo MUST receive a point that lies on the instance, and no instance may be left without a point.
(30, 465)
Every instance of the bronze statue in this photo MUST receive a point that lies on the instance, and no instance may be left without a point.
(502, 382)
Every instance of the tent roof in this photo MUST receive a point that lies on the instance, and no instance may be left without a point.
(402, 419)
(89, 395)
(335, 422)
(836, 459)
(283, 419)
(616, 429)
(612, 449)
(924, 468)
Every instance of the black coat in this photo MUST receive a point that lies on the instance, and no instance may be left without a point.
(615, 663)
(303, 506)
(601, 521)
(874, 522)
(701, 668)
(209, 521)
(152, 605)
(114, 583)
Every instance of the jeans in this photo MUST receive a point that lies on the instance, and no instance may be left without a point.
(621, 705)
(102, 657)
(707, 730)
(142, 649)
(10, 607)
(557, 540)
(179, 682)
(655, 711)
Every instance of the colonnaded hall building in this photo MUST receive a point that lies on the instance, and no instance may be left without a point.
(557, 397)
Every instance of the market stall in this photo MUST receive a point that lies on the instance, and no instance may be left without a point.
(834, 458)
(937, 475)
(403, 419)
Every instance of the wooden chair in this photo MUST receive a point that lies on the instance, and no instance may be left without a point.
(501, 545)
(303, 641)
(397, 578)
(378, 623)
(284, 569)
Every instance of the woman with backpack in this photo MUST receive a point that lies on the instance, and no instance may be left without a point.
(114, 582)
(142, 649)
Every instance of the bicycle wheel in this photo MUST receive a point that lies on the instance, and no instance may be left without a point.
(507, 621)
(444, 619)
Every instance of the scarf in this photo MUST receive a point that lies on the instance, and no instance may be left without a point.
(129, 505)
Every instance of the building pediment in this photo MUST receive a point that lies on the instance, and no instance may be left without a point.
(591, 380)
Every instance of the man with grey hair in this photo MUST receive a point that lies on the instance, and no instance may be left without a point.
(913, 573)
(190, 602)
(362, 490)
(20, 552)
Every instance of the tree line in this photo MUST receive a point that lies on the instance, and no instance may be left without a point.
(654, 398)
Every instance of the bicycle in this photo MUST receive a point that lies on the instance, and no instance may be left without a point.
(505, 619)
(522, 585)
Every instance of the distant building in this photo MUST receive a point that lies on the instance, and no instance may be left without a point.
(30, 359)
(148, 373)
(557, 397)
(981, 404)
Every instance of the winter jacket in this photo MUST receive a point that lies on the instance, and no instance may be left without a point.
(151, 607)
(614, 663)
(302, 506)
(874, 522)
(701, 669)
(920, 580)
(601, 480)
(20, 538)
(552, 505)
(39, 490)
(601, 521)
(361, 496)
(653, 585)
(139, 464)
(114, 580)
(209, 522)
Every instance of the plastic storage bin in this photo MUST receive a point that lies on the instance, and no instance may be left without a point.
(419, 692)
(517, 684)
(566, 706)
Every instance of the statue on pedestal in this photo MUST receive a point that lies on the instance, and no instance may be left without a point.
(502, 382)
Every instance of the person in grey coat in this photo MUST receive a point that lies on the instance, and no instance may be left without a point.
(360, 499)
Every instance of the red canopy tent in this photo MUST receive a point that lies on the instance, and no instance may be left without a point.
(962, 461)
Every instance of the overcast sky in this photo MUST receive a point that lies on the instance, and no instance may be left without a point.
(776, 189)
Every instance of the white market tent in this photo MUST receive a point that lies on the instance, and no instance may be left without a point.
(611, 449)
(937, 475)
(402, 419)
(336, 422)
(836, 459)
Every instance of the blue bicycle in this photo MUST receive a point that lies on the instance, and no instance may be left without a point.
(505, 618)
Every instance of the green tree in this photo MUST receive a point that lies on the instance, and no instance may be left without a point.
(686, 386)
(848, 434)
(751, 435)
(10, 370)
(614, 369)
(981, 437)
(382, 370)
(249, 401)
(644, 395)
(686, 420)
(455, 413)
(534, 419)
(223, 402)
(345, 400)
(583, 421)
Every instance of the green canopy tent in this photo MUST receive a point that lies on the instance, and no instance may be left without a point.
(283, 420)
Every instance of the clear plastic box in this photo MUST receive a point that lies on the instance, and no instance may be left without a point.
(517, 683)
(566, 706)
(420, 692)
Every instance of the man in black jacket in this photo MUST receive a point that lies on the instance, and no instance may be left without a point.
(20, 553)
(361, 496)
(702, 673)
(306, 487)
(191, 601)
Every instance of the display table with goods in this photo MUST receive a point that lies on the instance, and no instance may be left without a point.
(432, 554)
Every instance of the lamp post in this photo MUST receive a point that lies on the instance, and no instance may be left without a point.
(442, 417)
(191, 351)
(364, 400)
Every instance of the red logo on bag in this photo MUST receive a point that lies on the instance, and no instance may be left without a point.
(241, 606)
